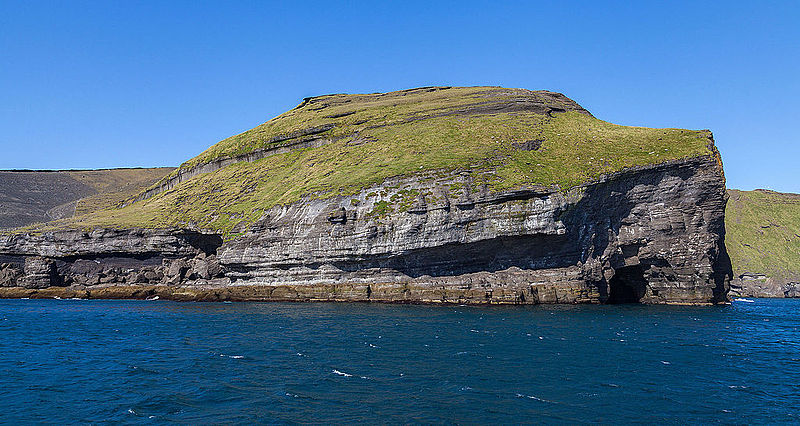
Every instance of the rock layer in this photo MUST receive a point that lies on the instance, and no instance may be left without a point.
(652, 235)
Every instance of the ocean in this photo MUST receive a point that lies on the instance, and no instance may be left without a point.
(88, 361)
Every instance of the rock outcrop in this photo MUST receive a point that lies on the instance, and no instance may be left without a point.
(616, 215)
(109, 257)
(651, 235)
(760, 285)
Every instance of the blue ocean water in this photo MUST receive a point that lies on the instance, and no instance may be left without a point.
(76, 361)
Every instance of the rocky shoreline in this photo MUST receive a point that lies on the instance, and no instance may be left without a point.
(373, 293)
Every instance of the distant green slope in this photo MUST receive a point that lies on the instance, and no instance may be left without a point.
(28, 197)
(505, 138)
(763, 233)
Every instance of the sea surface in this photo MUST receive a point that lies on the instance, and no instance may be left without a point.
(78, 361)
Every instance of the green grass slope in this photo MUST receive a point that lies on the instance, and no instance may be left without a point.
(114, 186)
(763, 233)
(506, 138)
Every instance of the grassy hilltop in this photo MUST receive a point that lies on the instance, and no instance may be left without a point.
(763, 233)
(505, 138)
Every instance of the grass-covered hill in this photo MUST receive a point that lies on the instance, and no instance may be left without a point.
(28, 197)
(339, 144)
(763, 233)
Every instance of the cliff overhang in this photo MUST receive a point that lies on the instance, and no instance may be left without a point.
(433, 195)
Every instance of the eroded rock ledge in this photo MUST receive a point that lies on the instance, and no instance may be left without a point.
(652, 235)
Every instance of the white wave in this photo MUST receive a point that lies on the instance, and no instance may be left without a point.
(342, 374)
(232, 356)
(666, 362)
(535, 398)
(744, 300)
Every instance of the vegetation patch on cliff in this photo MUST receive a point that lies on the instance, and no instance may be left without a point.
(505, 138)
(763, 233)
(114, 186)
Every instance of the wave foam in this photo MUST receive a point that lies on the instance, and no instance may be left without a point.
(342, 374)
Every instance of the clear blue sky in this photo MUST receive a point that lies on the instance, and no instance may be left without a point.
(153, 83)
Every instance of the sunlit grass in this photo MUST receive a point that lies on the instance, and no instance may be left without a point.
(574, 148)
(763, 233)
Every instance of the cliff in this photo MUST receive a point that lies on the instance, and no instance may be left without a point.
(763, 229)
(440, 195)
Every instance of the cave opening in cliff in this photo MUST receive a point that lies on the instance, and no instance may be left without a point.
(628, 285)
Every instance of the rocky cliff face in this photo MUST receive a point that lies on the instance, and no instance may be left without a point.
(760, 285)
(432, 195)
(107, 257)
(651, 235)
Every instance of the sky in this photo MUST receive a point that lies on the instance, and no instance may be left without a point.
(153, 83)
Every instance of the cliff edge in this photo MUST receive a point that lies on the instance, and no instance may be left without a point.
(433, 195)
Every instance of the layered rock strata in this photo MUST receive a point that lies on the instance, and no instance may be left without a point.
(652, 234)
(761, 285)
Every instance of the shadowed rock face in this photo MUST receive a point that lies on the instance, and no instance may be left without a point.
(657, 230)
(652, 235)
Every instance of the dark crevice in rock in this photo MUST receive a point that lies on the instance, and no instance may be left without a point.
(207, 243)
(628, 285)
